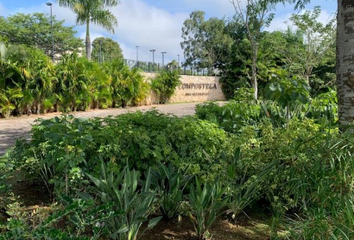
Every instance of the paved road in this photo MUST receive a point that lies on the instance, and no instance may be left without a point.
(13, 128)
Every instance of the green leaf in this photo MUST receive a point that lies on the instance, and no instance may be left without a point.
(153, 222)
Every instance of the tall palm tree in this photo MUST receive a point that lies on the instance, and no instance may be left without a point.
(94, 11)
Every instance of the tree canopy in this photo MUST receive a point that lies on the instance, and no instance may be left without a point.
(106, 49)
(204, 41)
(35, 30)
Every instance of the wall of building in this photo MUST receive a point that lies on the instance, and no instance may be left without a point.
(192, 89)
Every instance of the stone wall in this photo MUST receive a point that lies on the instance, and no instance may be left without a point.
(192, 89)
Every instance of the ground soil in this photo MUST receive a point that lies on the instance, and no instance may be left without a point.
(245, 229)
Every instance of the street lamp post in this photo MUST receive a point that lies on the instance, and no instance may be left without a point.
(163, 58)
(153, 58)
(50, 4)
(137, 53)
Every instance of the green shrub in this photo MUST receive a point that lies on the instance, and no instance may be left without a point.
(210, 111)
(56, 153)
(244, 95)
(165, 84)
(232, 116)
(62, 149)
(319, 184)
(128, 86)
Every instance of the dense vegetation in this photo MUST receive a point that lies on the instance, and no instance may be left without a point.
(305, 51)
(116, 177)
(290, 158)
(30, 82)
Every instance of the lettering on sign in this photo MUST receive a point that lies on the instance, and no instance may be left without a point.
(197, 94)
(198, 86)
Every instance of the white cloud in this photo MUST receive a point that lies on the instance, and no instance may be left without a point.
(148, 27)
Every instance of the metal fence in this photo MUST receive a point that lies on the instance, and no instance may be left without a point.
(157, 67)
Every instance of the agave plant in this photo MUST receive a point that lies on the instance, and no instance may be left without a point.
(169, 182)
(131, 202)
(207, 202)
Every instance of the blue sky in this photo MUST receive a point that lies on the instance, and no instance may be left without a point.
(156, 24)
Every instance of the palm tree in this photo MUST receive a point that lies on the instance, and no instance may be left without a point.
(345, 64)
(94, 11)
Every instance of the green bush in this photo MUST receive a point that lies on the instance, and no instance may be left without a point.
(315, 179)
(232, 116)
(165, 84)
(30, 83)
(62, 149)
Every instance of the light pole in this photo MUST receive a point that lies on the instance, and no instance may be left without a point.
(50, 4)
(137, 53)
(153, 55)
(153, 58)
(163, 58)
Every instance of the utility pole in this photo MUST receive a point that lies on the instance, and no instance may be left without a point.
(50, 4)
(163, 58)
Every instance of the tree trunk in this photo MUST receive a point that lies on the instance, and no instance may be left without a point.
(88, 40)
(345, 61)
(254, 82)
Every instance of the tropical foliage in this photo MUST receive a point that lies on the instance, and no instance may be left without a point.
(290, 158)
(165, 84)
(30, 83)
